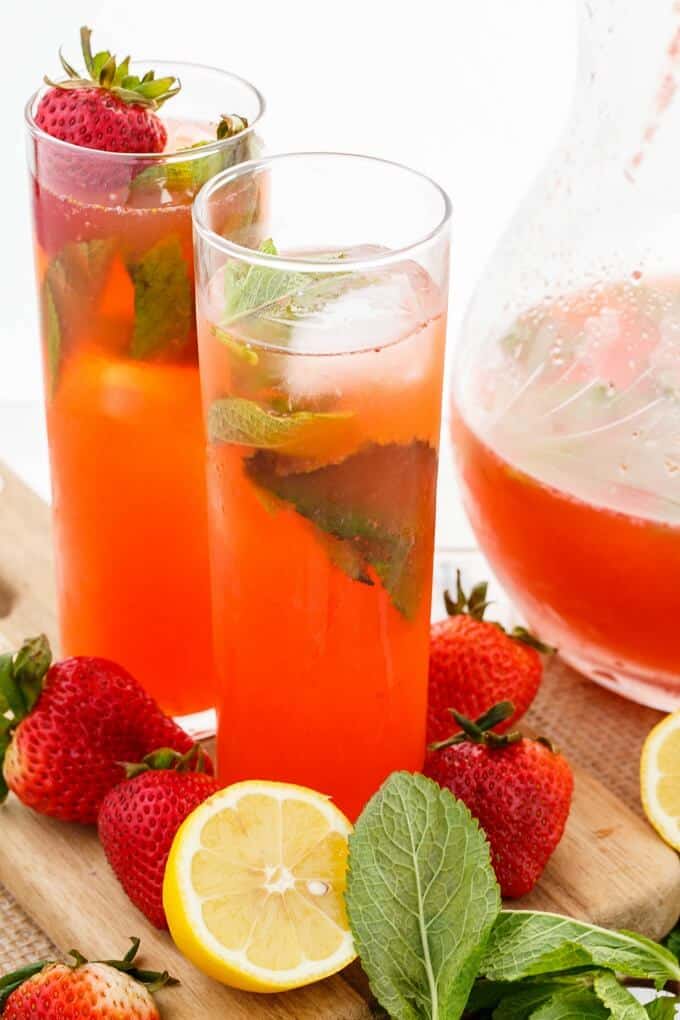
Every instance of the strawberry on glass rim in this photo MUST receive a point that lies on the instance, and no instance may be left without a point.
(107, 108)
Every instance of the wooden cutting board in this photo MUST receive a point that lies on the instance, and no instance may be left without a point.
(610, 868)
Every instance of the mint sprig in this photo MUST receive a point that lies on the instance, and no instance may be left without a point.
(423, 905)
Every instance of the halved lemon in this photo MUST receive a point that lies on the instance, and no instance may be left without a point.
(660, 778)
(254, 887)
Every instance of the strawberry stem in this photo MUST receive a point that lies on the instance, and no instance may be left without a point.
(102, 71)
(480, 730)
(165, 758)
(475, 605)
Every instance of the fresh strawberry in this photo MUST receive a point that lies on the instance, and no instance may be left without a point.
(474, 664)
(519, 789)
(106, 990)
(139, 818)
(67, 728)
(107, 108)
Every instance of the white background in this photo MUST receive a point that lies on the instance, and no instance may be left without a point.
(473, 92)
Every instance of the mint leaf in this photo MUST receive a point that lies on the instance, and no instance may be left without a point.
(51, 331)
(421, 898)
(572, 1004)
(240, 351)
(525, 944)
(618, 1000)
(672, 942)
(235, 420)
(662, 1008)
(163, 299)
(378, 500)
(72, 284)
(250, 289)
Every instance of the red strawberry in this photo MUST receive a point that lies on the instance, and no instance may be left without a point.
(107, 990)
(139, 818)
(519, 789)
(70, 727)
(474, 664)
(108, 108)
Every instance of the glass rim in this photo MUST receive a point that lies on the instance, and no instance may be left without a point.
(179, 155)
(302, 263)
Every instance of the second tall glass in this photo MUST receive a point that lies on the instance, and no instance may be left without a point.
(321, 342)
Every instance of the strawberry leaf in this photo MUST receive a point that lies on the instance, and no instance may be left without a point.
(11, 697)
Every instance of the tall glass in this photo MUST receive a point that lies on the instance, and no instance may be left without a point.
(113, 244)
(321, 338)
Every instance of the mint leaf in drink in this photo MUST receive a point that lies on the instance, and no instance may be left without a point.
(525, 944)
(621, 1004)
(240, 421)
(250, 289)
(163, 299)
(241, 351)
(421, 898)
(379, 500)
(72, 284)
(51, 331)
(191, 174)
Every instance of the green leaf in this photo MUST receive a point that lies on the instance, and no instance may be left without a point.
(378, 500)
(524, 998)
(51, 330)
(11, 696)
(523, 944)
(72, 284)
(235, 420)
(191, 174)
(672, 942)
(663, 1007)
(30, 666)
(239, 350)
(572, 1004)
(250, 289)
(163, 299)
(421, 898)
(618, 1000)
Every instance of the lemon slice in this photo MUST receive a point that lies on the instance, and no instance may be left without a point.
(660, 778)
(254, 887)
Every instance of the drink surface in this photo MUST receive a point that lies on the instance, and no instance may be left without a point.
(569, 445)
(322, 471)
(115, 269)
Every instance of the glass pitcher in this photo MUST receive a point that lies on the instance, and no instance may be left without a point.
(566, 390)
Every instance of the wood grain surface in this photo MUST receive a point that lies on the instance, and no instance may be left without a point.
(610, 868)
